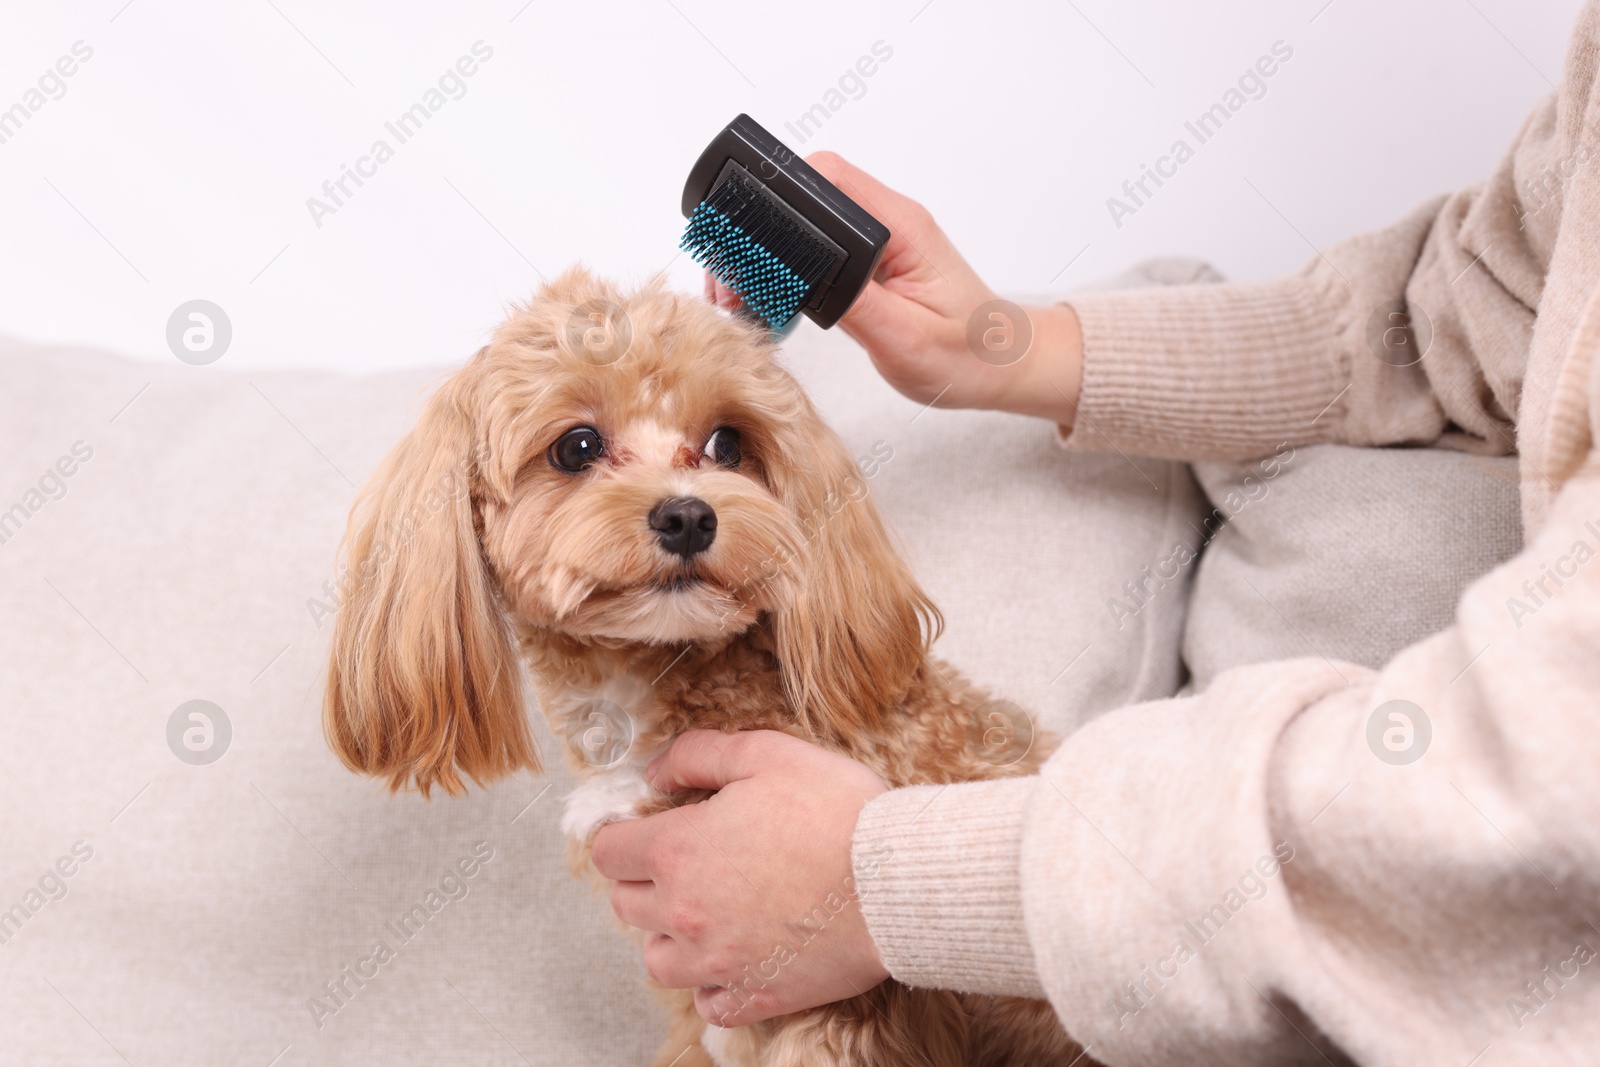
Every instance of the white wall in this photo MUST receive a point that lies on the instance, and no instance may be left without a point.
(194, 135)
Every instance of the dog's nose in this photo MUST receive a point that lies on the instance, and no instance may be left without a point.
(685, 525)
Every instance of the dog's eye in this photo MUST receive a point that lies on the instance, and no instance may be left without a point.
(724, 446)
(577, 449)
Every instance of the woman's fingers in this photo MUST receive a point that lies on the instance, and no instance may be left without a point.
(671, 963)
(869, 192)
(918, 249)
(744, 1001)
(635, 904)
(720, 295)
(621, 850)
(711, 759)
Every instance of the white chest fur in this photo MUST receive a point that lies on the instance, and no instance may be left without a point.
(715, 1041)
(601, 727)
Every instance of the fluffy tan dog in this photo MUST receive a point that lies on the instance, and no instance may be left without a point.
(630, 493)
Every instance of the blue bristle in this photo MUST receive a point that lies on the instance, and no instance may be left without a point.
(748, 246)
(766, 286)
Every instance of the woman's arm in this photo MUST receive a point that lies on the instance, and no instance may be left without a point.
(1394, 337)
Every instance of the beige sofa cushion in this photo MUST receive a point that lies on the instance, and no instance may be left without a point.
(177, 562)
(1348, 554)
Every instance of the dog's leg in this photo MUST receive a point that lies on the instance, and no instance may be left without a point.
(743, 1046)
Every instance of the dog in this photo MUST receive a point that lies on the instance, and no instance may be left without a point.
(628, 493)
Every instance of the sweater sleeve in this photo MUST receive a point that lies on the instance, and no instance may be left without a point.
(1396, 337)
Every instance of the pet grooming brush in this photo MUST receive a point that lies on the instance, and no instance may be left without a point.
(776, 232)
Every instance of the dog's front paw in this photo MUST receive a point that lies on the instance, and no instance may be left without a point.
(609, 796)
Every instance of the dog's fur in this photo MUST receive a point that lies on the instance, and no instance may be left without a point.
(469, 546)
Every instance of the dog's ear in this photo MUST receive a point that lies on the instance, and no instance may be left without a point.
(852, 637)
(423, 683)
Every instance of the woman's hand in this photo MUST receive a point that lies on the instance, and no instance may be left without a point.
(935, 331)
(748, 897)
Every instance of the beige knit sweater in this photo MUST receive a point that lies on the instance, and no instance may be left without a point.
(1233, 877)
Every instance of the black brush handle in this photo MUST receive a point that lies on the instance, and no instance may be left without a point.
(809, 195)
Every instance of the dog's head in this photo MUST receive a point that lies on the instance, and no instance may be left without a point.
(610, 470)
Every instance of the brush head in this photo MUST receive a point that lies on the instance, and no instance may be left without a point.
(773, 230)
